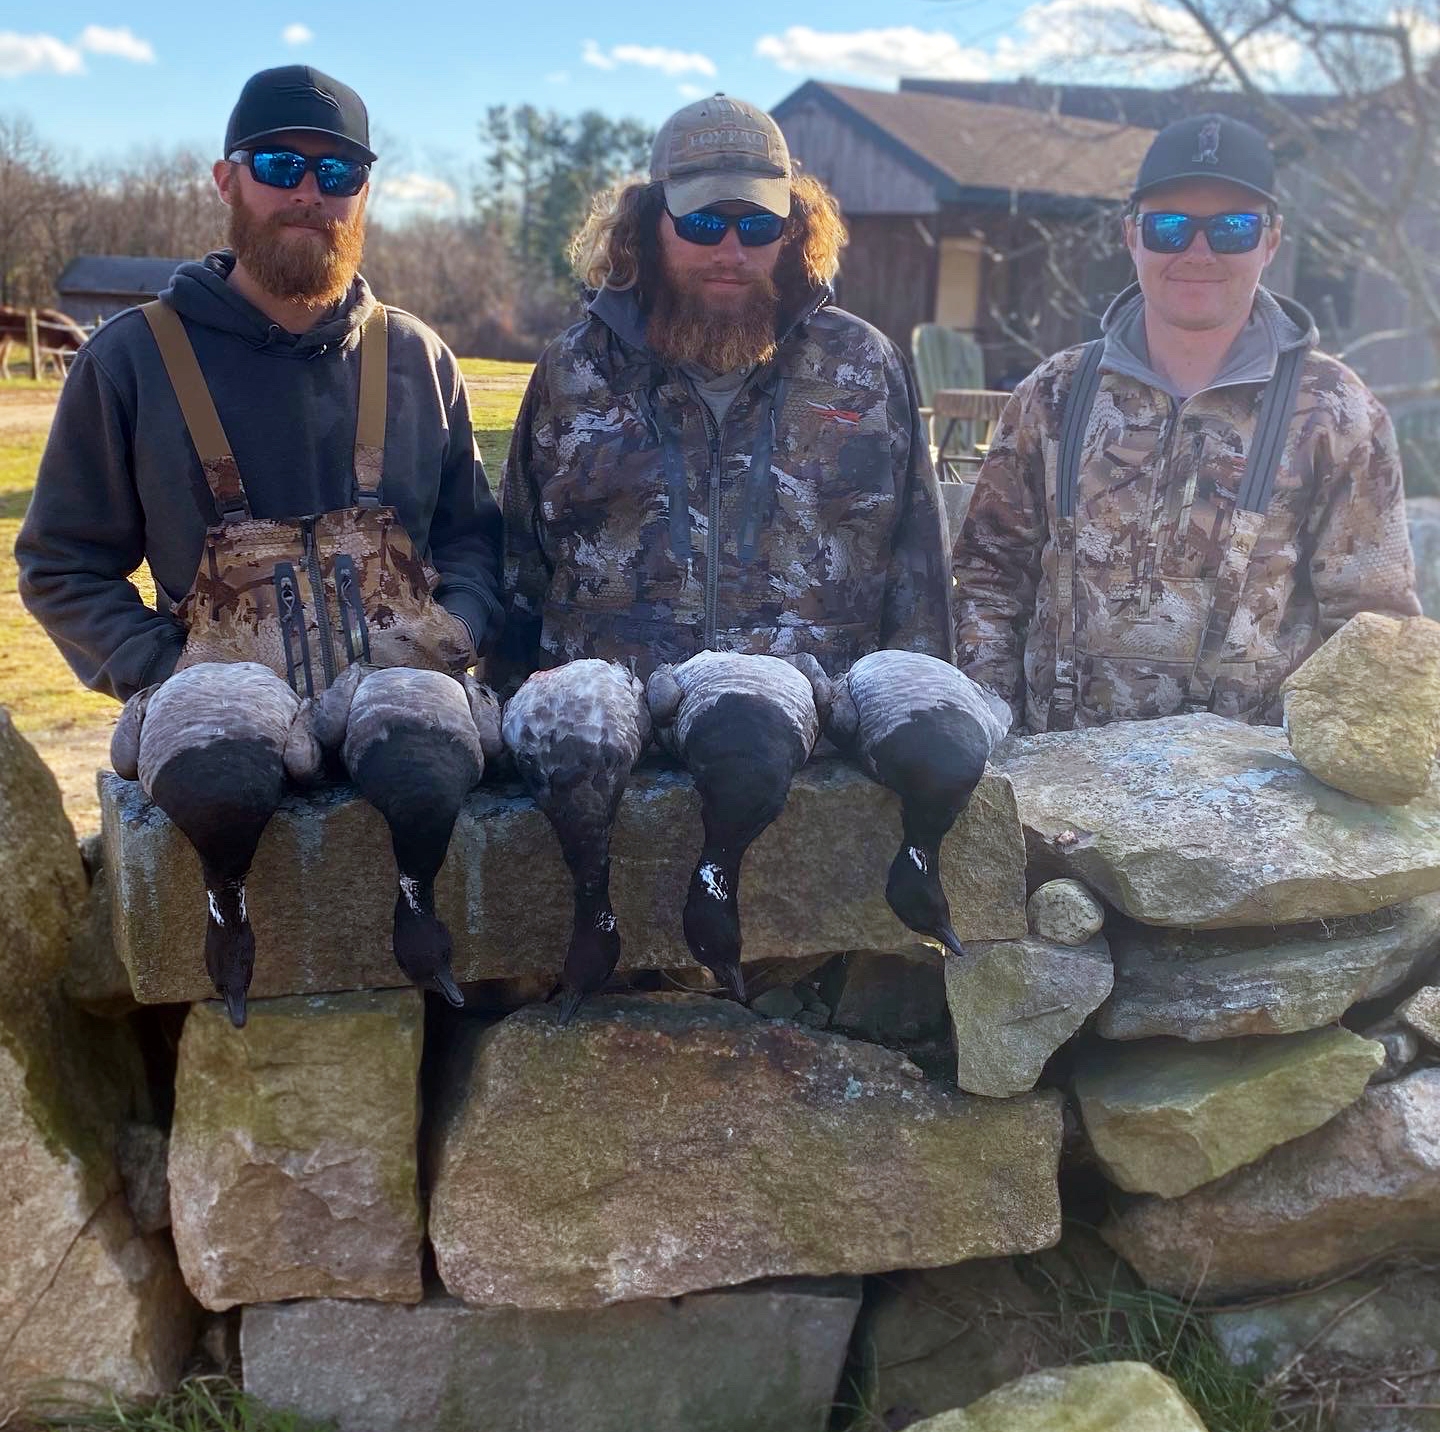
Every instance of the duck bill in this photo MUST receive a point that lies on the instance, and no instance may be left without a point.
(570, 1002)
(734, 982)
(950, 940)
(444, 984)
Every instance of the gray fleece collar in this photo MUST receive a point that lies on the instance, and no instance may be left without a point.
(1275, 325)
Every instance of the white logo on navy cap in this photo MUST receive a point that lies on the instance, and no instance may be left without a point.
(1207, 143)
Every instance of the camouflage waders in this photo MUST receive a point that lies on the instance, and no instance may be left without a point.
(306, 596)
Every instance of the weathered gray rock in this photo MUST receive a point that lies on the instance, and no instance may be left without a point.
(1217, 984)
(95, 979)
(1363, 1343)
(1360, 1186)
(1422, 1013)
(1363, 712)
(1201, 822)
(1401, 1046)
(689, 1144)
(814, 883)
(293, 1155)
(766, 1358)
(895, 997)
(1013, 1003)
(778, 1003)
(934, 1339)
(1424, 515)
(1165, 1116)
(1064, 912)
(83, 1295)
(1104, 1397)
(142, 1153)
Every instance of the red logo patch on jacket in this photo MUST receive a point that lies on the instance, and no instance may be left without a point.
(837, 415)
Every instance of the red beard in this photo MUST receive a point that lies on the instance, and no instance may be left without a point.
(298, 267)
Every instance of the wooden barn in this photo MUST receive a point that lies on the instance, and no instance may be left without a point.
(95, 287)
(989, 218)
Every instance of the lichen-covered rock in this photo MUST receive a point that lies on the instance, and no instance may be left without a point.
(814, 883)
(1366, 1183)
(1363, 712)
(689, 1144)
(893, 997)
(765, 1358)
(293, 1162)
(1104, 1397)
(1013, 1003)
(1371, 1345)
(1422, 1013)
(1064, 912)
(83, 1296)
(1165, 1116)
(1206, 823)
(1217, 984)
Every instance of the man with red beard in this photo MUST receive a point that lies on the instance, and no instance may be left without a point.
(717, 457)
(240, 396)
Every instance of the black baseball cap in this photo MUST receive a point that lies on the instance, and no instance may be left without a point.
(299, 98)
(1209, 146)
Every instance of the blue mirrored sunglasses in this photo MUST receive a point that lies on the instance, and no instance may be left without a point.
(707, 227)
(285, 169)
(1164, 233)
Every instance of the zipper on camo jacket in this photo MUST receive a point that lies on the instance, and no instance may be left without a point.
(712, 535)
(322, 607)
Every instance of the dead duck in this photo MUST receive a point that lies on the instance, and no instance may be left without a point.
(212, 747)
(743, 725)
(917, 725)
(575, 733)
(414, 743)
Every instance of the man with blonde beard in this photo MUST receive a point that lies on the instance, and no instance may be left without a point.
(230, 420)
(716, 457)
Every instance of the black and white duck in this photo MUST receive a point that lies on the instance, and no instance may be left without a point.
(743, 725)
(917, 725)
(212, 747)
(575, 733)
(415, 743)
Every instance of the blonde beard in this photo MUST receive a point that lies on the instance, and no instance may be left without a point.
(682, 329)
(298, 270)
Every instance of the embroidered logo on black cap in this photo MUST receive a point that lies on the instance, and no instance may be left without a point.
(311, 92)
(1207, 143)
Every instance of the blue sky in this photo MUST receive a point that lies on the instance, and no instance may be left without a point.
(110, 77)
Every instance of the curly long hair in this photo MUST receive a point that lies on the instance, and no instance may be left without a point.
(616, 247)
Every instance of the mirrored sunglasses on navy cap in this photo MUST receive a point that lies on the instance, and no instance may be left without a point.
(1166, 233)
(707, 227)
(335, 176)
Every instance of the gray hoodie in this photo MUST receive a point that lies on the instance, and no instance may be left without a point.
(120, 482)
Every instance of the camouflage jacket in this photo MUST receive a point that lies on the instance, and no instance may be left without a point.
(1158, 477)
(809, 522)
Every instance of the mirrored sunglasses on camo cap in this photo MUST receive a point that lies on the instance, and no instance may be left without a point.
(336, 176)
(1166, 233)
(707, 227)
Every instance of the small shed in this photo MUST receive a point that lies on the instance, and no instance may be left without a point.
(954, 208)
(95, 287)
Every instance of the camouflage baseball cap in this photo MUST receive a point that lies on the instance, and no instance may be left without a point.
(719, 149)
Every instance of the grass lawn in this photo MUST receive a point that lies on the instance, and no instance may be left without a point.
(69, 725)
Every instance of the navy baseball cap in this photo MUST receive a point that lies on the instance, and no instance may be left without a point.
(1209, 146)
(299, 98)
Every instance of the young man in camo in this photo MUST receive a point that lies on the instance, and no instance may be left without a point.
(716, 457)
(1170, 549)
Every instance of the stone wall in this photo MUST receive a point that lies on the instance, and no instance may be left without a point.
(1219, 1036)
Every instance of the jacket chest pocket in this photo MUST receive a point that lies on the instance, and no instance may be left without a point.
(1201, 495)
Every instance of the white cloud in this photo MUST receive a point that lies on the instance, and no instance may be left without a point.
(415, 191)
(877, 54)
(37, 54)
(650, 57)
(121, 44)
(297, 34)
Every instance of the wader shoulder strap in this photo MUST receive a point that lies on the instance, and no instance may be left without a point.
(370, 422)
(1247, 520)
(198, 409)
(1076, 417)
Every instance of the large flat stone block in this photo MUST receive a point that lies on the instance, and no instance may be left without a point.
(766, 1359)
(321, 892)
(670, 1143)
(293, 1166)
(1205, 823)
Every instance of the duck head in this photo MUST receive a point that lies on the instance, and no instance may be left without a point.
(229, 944)
(422, 942)
(593, 954)
(915, 894)
(712, 919)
